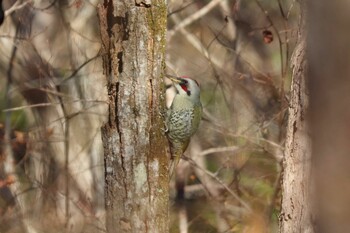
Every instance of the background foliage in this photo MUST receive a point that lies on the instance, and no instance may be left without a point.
(53, 103)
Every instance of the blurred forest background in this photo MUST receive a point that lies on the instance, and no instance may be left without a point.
(53, 102)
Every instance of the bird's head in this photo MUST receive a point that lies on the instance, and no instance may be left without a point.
(185, 86)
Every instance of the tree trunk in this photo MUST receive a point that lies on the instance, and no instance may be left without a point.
(136, 165)
(329, 72)
(296, 208)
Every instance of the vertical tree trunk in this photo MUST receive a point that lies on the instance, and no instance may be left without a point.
(329, 72)
(296, 208)
(136, 165)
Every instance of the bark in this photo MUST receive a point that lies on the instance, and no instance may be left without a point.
(136, 165)
(296, 208)
(329, 72)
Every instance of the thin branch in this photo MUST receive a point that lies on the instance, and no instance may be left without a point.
(281, 9)
(204, 10)
(17, 6)
(196, 43)
(50, 104)
(290, 9)
(9, 163)
(51, 4)
(240, 200)
(220, 128)
(243, 59)
(279, 42)
(219, 150)
(180, 9)
(75, 72)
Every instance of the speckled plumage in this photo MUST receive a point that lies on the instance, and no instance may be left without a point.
(183, 117)
(183, 123)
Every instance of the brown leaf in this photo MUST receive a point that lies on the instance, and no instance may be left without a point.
(268, 36)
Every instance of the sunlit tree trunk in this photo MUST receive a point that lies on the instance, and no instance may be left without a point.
(329, 72)
(296, 207)
(136, 165)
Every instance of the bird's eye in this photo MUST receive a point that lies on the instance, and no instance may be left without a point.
(184, 81)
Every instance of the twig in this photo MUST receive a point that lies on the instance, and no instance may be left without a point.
(290, 9)
(51, 4)
(219, 127)
(48, 104)
(281, 9)
(9, 163)
(240, 200)
(180, 9)
(75, 72)
(16, 7)
(204, 10)
(279, 42)
(243, 59)
(219, 150)
(196, 43)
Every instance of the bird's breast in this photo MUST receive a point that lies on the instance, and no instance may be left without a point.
(183, 123)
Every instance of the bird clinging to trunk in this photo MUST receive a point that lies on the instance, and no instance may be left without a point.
(183, 116)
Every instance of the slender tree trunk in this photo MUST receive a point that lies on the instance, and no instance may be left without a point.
(136, 165)
(296, 208)
(329, 72)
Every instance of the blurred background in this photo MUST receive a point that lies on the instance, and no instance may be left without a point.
(53, 102)
(239, 52)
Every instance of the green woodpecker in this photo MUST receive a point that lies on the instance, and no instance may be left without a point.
(183, 116)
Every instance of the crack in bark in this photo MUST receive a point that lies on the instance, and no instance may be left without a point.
(120, 62)
(116, 113)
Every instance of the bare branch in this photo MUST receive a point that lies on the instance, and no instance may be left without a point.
(194, 17)
(17, 6)
(196, 43)
(180, 9)
(248, 209)
(49, 104)
(219, 150)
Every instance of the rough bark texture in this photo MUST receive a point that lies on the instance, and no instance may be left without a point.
(136, 165)
(296, 208)
(329, 72)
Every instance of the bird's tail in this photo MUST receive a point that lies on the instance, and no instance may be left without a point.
(174, 162)
(177, 150)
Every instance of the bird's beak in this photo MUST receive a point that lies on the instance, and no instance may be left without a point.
(176, 79)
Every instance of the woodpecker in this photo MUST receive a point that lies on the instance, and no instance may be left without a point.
(183, 116)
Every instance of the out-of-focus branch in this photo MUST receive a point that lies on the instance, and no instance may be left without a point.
(230, 27)
(9, 162)
(290, 9)
(180, 9)
(183, 219)
(218, 150)
(50, 104)
(243, 59)
(284, 60)
(197, 44)
(17, 6)
(220, 128)
(247, 208)
(194, 17)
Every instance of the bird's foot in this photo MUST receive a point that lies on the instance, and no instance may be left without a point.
(165, 129)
